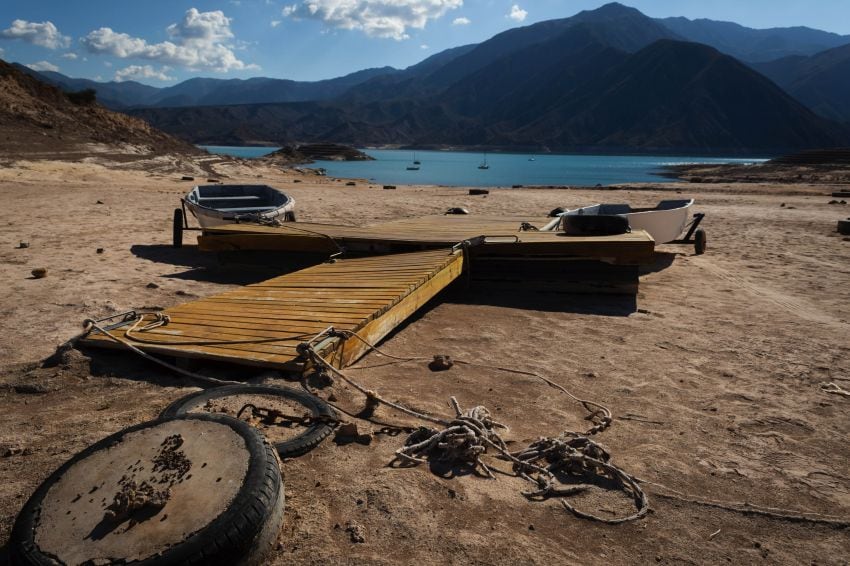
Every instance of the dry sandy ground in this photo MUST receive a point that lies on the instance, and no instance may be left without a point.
(715, 375)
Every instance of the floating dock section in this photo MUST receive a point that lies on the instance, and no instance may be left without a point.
(262, 324)
(502, 237)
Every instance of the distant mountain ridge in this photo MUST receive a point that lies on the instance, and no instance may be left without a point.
(821, 81)
(606, 80)
(610, 79)
(754, 45)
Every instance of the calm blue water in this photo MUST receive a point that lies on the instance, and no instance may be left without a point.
(454, 168)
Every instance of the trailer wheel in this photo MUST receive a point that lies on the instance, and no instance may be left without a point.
(177, 228)
(699, 242)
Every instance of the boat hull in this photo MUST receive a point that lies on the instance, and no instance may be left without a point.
(664, 223)
(217, 205)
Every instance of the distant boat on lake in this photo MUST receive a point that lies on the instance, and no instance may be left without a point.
(484, 164)
(415, 165)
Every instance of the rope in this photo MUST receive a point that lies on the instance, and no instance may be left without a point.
(162, 320)
(835, 389)
(468, 436)
(596, 410)
(90, 325)
(465, 439)
(747, 508)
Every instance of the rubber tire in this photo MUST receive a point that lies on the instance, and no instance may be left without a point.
(843, 227)
(227, 540)
(297, 446)
(700, 242)
(177, 228)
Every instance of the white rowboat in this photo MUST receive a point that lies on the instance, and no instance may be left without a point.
(664, 222)
(215, 205)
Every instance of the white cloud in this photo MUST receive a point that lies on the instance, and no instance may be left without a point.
(275, 23)
(202, 40)
(517, 14)
(71, 56)
(44, 34)
(376, 18)
(424, 46)
(138, 72)
(461, 21)
(43, 66)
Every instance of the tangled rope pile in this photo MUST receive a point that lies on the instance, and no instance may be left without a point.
(574, 455)
(467, 437)
(464, 440)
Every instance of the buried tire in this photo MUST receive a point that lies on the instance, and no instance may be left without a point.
(211, 492)
(324, 417)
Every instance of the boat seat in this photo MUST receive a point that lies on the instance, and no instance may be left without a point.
(248, 209)
(238, 197)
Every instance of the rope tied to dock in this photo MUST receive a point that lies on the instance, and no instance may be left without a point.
(467, 437)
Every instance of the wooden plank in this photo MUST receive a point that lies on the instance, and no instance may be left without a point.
(262, 324)
(376, 330)
(439, 231)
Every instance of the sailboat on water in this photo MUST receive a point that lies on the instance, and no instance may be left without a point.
(484, 164)
(415, 165)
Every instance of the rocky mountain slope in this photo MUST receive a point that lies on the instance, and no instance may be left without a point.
(37, 117)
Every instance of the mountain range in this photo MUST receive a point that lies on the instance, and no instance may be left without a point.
(606, 79)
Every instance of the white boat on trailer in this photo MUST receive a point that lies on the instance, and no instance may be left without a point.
(216, 205)
(665, 222)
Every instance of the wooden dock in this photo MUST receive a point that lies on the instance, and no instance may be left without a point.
(499, 237)
(262, 324)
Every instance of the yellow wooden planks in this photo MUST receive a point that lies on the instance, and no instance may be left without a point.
(504, 238)
(262, 324)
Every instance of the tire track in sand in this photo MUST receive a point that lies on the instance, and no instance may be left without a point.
(793, 306)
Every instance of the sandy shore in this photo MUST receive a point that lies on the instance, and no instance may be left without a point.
(715, 380)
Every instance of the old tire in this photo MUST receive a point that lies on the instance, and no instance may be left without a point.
(177, 229)
(700, 242)
(244, 531)
(844, 227)
(314, 434)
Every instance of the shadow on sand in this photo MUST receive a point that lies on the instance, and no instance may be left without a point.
(208, 266)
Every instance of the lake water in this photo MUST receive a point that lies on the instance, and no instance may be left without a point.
(455, 168)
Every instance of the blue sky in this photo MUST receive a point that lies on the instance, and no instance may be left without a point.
(161, 42)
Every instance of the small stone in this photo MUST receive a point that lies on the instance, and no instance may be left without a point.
(591, 374)
(23, 245)
(100, 250)
(441, 363)
(347, 430)
(351, 184)
(100, 202)
(332, 398)
(530, 527)
(356, 531)
(152, 286)
(782, 205)
(39, 272)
